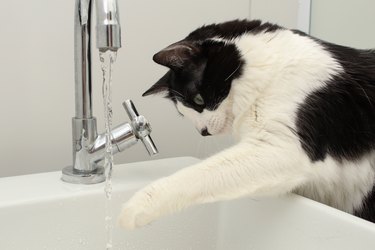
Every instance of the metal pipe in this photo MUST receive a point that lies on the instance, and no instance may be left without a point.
(108, 37)
(82, 59)
(88, 146)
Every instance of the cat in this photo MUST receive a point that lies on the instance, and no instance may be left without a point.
(302, 110)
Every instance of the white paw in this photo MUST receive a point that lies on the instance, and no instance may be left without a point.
(133, 216)
(150, 203)
(139, 211)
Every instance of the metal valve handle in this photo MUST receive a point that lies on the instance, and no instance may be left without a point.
(141, 127)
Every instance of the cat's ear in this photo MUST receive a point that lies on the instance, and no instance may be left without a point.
(160, 86)
(176, 55)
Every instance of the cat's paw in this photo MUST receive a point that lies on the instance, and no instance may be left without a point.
(133, 216)
(140, 210)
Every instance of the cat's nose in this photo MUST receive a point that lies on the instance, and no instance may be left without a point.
(204, 132)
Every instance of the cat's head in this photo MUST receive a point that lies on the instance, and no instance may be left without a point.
(201, 71)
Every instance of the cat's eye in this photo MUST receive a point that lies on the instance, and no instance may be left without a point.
(198, 99)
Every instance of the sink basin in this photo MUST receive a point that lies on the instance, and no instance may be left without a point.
(41, 212)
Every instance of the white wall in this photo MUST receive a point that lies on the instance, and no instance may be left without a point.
(345, 22)
(276, 11)
(37, 81)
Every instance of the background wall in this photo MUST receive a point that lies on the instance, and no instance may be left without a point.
(37, 81)
(349, 22)
(281, 12)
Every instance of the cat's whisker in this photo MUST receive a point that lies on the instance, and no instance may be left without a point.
(176, 92)
(198, 150)
(218, 103)
(216, 144)
(239, 65)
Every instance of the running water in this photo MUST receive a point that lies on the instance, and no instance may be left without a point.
(107, 60)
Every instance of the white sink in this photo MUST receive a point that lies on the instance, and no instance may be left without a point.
(41, 212)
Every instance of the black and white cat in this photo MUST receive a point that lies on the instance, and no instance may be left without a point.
(303, 111)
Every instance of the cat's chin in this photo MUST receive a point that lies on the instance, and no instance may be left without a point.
(226, 127)
(223, 131)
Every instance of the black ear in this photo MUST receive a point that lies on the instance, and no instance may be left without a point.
(159, 86)
(176, 55)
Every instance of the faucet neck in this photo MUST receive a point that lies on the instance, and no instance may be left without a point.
(108, 38)
(82, 59)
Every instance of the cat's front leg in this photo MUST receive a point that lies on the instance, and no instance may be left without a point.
(245, 169)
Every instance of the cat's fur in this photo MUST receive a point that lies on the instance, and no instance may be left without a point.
(303, 111)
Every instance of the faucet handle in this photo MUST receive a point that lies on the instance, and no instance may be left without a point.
(141, 127)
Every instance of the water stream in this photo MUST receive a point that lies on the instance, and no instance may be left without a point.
(107, 60)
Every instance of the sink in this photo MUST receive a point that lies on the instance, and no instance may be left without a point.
(40, 211)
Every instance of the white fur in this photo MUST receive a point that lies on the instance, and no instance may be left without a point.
(216, 122)
(280, 69)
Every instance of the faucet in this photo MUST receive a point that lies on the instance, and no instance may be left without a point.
(88, 145)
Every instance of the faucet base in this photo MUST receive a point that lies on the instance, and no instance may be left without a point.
(73, 176)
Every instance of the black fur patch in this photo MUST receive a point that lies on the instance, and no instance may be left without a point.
(218, 65)
(367, 211)
(339, 118)
(232, 29)
(210, 75)
(223, 64)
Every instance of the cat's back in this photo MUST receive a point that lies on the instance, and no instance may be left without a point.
(359, 64)
(342, 122)
(336, 128)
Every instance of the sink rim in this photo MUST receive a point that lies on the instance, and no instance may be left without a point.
(32, 188)
(48, 186)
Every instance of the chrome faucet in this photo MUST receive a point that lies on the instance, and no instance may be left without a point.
(88, 146)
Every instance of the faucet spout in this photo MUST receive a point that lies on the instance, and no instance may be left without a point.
(108, 29)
